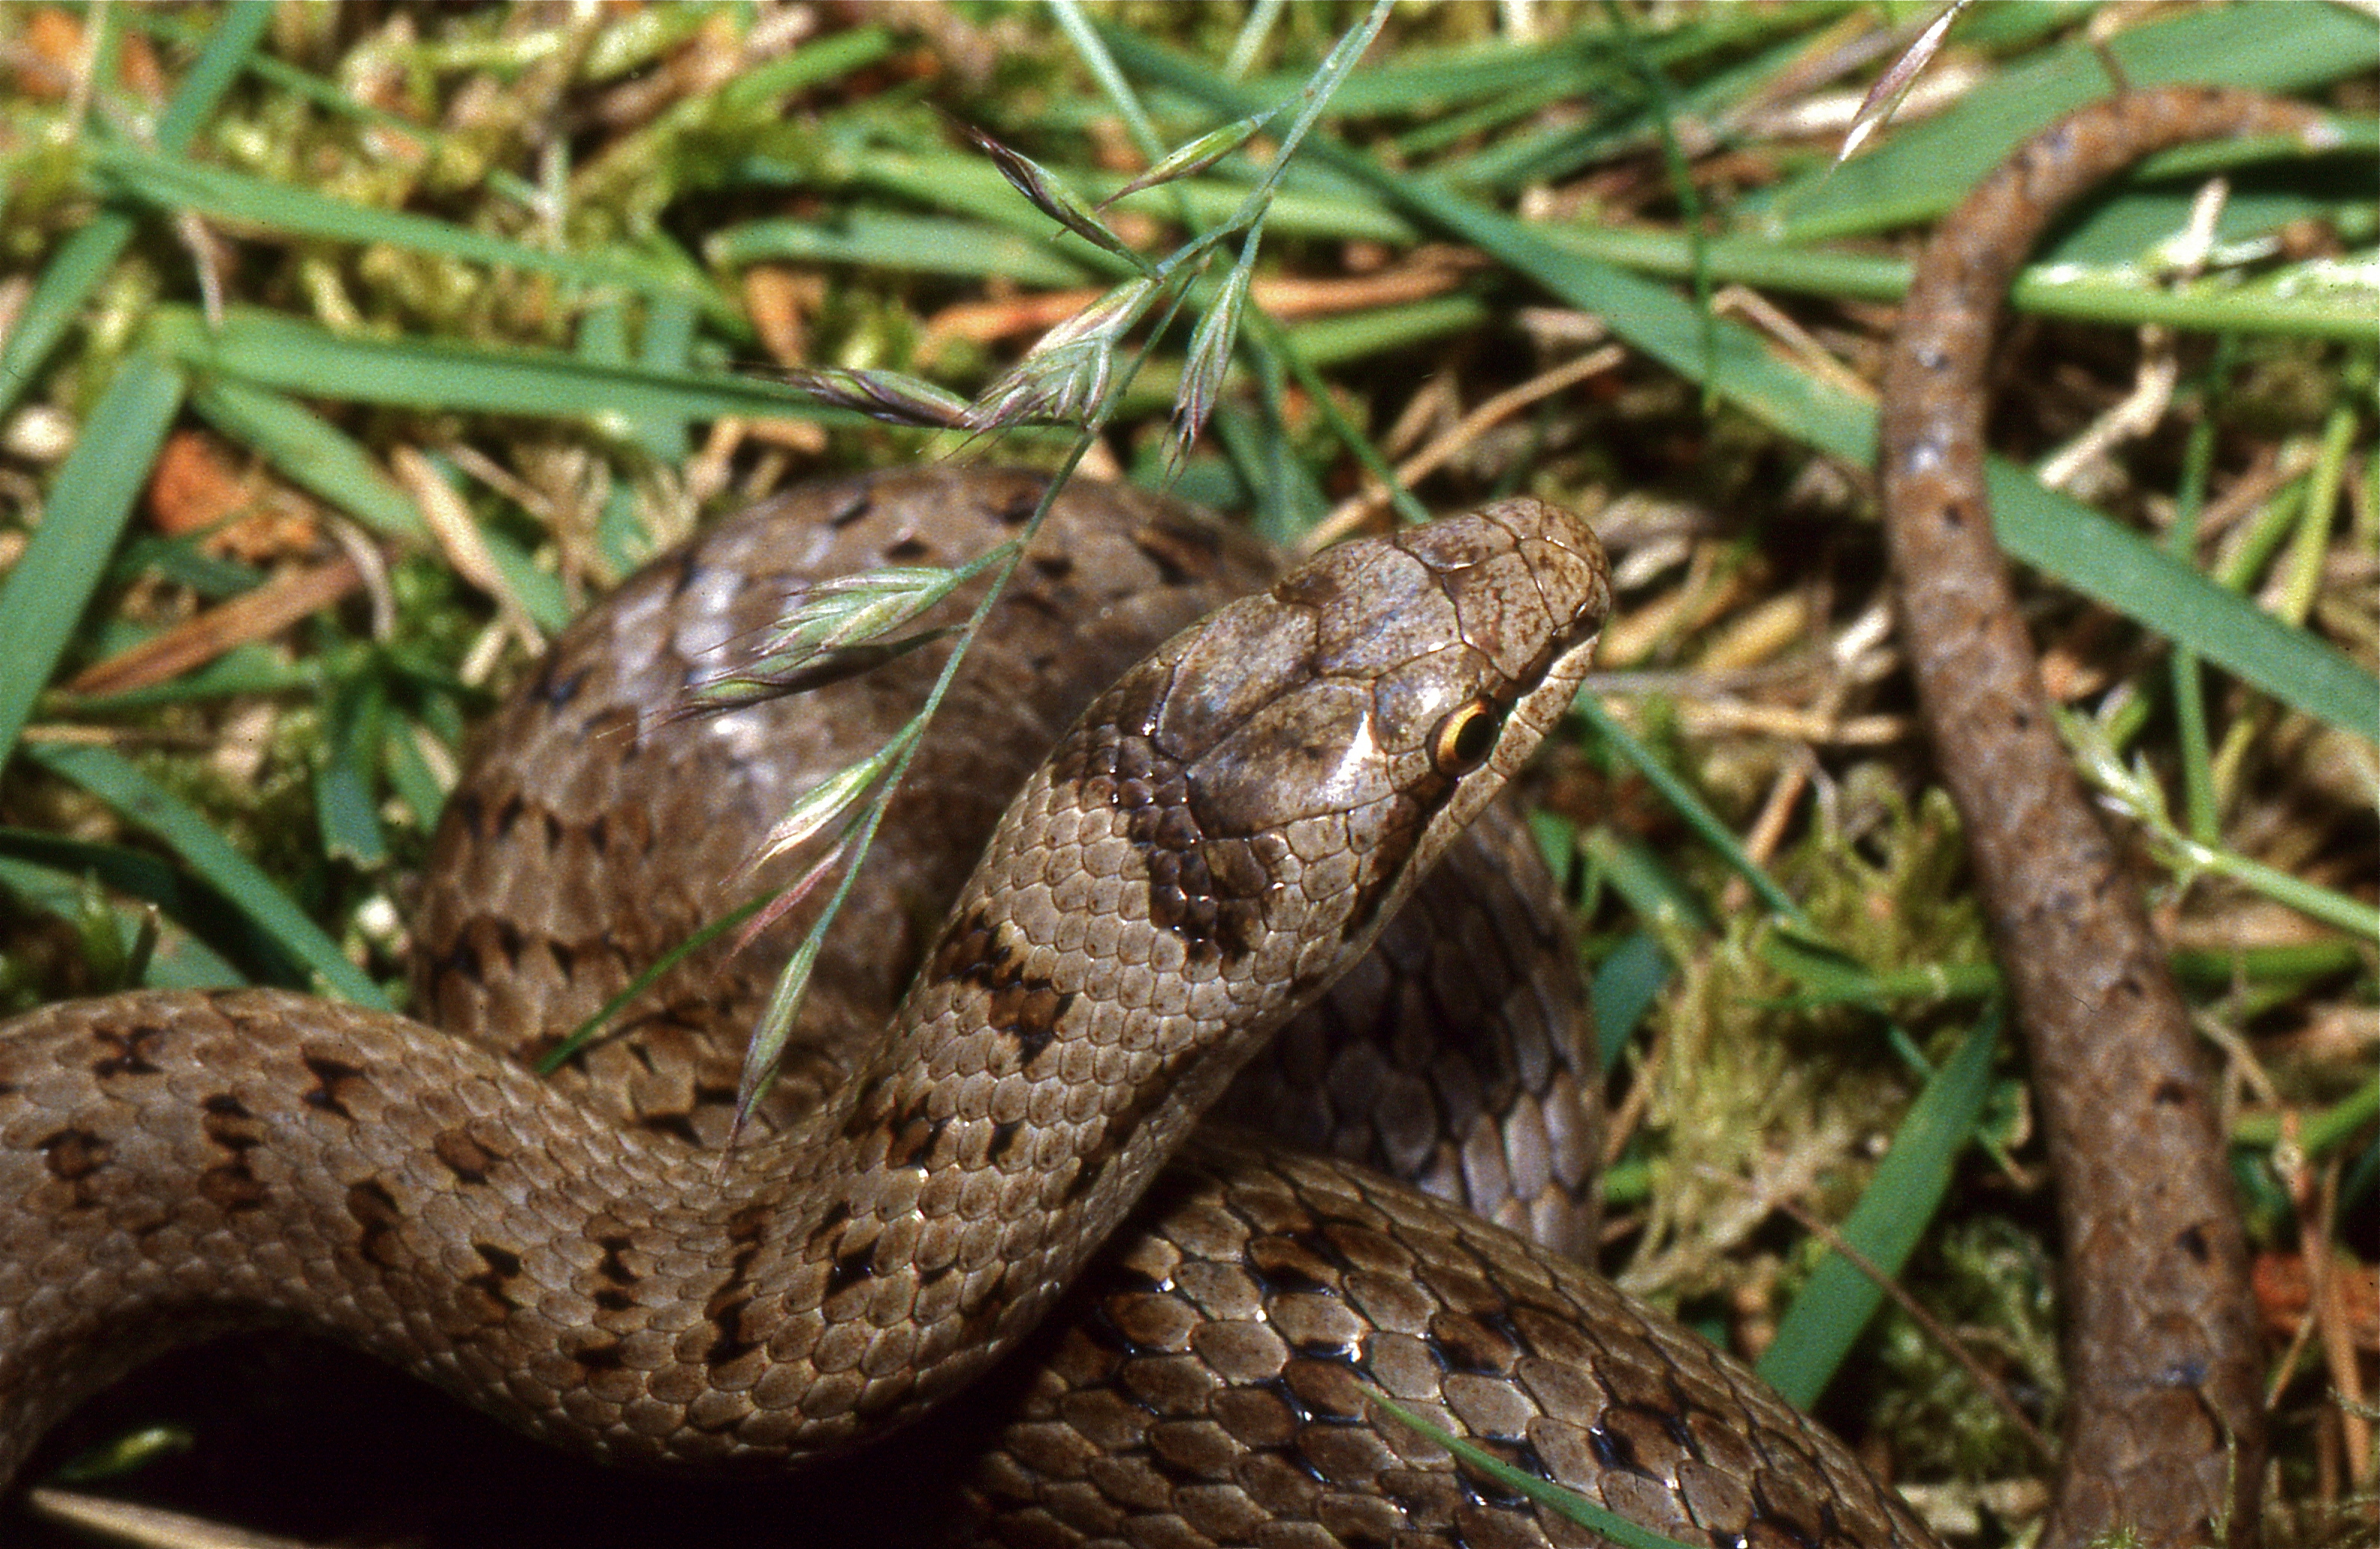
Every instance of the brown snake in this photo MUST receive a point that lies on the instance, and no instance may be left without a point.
(1198, 855)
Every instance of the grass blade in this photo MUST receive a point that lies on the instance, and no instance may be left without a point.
(44, 595)
(148, 805)
(1818, 1329)
(85, 257)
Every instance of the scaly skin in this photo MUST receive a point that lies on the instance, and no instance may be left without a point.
(2166, 1430)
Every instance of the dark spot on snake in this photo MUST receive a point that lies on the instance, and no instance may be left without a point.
(612, 1266)
(1772, 1520)
(127, 1055)
(1514, 1452)
(558, 691)
(1054, 567)
(1019, 509)
(1003, 1135)
(1028, 1011)
(848, 1270)
(374, 1209)
(607, 1356)
(2192, 1241)
(611, 1301)
(1179, 561)
(553, 830)
(678, 1124)
(1673, 1418)
(503, 1264)
(908, 549)
(465, 1157)
(1047, 607)
(1954, 513)
(858, 507)
(2171, 1093)
(2021, 719)
(231, 1187)
(1283, 1266)
(724, 1308)
(224, 1106)
(1615, 1450)
(1464, 1343)
(334, 1083)
(727, 1317)
(506, 816)
(913, 1139)
(73, 1155)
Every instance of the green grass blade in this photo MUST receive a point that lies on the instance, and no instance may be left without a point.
(2280, 308)
(285, 356)
(45, 594)
(217, 945)
(1922, 171)
(2037, 525)
(1626, 984)
(1554, 1497)
(1817, 1331)
(83, 257)
(917, 244)
(170, 183)
(148, 805)
(311, 453)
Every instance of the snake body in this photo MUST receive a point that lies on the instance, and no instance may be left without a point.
(1198, 855)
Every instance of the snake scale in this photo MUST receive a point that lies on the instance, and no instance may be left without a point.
(1201, 852)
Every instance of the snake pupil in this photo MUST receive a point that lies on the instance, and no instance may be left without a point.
(1464, 739)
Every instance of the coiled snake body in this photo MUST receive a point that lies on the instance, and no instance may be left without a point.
(1201, 853)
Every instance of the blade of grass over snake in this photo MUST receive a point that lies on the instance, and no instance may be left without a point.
(1567, 1503)
(45, 594)
(1817, 1331)
(84, 257)
(311, 453)
(2049, 531)
(145, 804)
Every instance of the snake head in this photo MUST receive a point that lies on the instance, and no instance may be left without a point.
(1288, 767)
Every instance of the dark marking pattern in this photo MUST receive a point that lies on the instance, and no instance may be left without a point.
(230, 1185)
(465, 1157)
(379, 1220)
(1025, 1006)
(336, 1083)
(129, 1051)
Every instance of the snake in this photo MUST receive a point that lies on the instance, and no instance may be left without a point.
(1001, 1195)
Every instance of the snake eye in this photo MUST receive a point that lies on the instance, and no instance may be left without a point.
(1464, 739)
